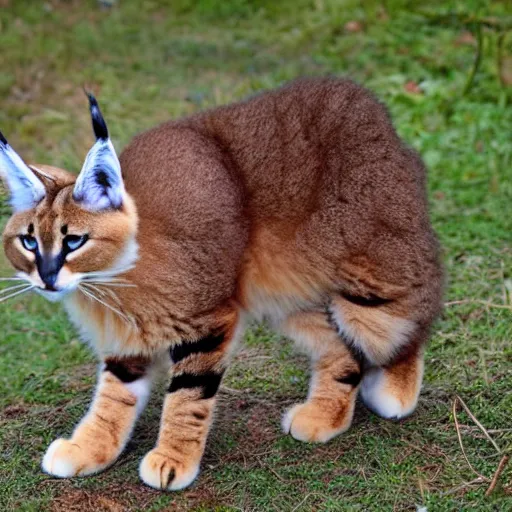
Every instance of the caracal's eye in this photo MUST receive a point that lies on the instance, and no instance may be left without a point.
(29, 242)
(74, 242)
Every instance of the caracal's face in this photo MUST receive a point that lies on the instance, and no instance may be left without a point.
(66, 231)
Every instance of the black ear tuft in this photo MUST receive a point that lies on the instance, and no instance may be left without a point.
(3, 140)
(98, 123)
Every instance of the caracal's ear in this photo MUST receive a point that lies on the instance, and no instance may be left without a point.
(99, 185)
(25, 188)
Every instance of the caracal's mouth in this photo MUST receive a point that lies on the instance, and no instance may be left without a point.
(54, 295)
(48, 292)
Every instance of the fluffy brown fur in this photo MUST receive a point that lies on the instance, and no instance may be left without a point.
(300, 205)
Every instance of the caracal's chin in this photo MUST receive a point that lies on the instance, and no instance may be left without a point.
(55, 296)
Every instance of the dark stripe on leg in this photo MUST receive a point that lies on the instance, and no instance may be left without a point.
(352, 379)
(208, 383)
(127, 369)
(371, 301)
(207, 344)
(355, 351)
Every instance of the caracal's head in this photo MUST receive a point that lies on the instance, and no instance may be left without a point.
(68, 231)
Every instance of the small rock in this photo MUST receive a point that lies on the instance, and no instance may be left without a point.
(242, 404)
(107, 3)
(353, 26)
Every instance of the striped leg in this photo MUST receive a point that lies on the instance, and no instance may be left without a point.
(329, 408)
(188, 408)
(121, 394)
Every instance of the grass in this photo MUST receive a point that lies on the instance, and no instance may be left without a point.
(151, 60)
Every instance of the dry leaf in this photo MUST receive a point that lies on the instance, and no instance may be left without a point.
(506, 71)
(465, 37)
(412, 87)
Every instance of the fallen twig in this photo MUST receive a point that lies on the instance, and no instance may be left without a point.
(499, 470)
(422, 450)
(499, 58)
(463, 486)
(459, 436)
(478, 60)
(490, 430)
(477, 301)
(480, 426)
(279, 477)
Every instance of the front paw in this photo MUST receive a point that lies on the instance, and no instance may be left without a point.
(65, 459)
(162, 471)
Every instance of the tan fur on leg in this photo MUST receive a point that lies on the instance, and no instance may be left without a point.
(187, 415)
(378, 332)
(174, 463)
(102, 434)
(333, 389)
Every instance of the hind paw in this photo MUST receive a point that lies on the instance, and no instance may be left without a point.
(312, 423)
(385, 399)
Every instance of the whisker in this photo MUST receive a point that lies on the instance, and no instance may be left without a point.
(89, 285)
(111, 294)
(90, 294)
(109, 273)
(111, 279)
(19, 292)
(11, 288)
(106, 279)
(114, 284)
(94, 297)
(104, 293)
(12, 279)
